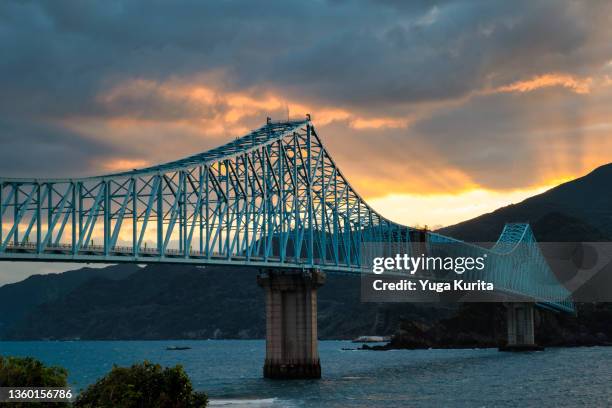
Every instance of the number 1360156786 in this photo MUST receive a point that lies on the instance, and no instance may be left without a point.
(35, 394)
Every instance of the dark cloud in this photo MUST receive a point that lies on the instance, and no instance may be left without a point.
(384, 58)
(342, 52)
(427, 62)
(511, 141)
(45, 150)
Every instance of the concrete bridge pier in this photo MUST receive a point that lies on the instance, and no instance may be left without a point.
(521, 328)
(291, 322)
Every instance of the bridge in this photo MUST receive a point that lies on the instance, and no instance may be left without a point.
(272, 199)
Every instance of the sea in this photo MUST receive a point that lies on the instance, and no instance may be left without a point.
(230, 371)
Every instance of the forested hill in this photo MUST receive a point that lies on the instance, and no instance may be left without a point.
(579, 210)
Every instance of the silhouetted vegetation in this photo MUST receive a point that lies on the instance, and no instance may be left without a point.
(29, 372)
(142, 385)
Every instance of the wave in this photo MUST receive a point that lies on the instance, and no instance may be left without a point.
(258, 402)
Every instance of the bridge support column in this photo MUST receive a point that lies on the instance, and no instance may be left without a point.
(291, 323)
(521, 328)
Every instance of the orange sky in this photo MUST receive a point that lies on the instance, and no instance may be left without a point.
(435, 112)
(386, 157)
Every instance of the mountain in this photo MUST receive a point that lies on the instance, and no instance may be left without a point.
(19, 299)
(182, 301)
(579, 210)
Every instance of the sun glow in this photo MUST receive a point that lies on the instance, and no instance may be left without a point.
(439, 210)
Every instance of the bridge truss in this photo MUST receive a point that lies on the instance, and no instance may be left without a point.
(271, 198)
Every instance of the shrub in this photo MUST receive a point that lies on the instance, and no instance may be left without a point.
(29, 372)
(142, 385)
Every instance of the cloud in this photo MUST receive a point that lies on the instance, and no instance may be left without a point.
(49, 150)
(409, 96)
(378, 123)
(117, 165)
(578, 85)
(435, 111)
(346, 53)
(522, 139)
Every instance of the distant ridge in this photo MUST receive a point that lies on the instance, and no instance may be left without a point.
(179, 301)
(182, 301)
(20, 298)
(578, 210)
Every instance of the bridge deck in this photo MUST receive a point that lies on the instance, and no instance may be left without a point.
(258, 200)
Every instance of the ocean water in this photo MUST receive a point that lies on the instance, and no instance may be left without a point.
(230, 371)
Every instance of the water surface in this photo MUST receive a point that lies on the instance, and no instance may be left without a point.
(230, 371)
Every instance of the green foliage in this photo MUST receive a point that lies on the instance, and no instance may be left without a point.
(29, 372)
(142, 385)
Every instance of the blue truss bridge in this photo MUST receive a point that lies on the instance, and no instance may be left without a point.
(273, 198)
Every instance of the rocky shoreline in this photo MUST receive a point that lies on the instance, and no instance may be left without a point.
(482, 325)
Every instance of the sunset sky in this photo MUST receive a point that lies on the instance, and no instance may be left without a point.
(435, 111)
